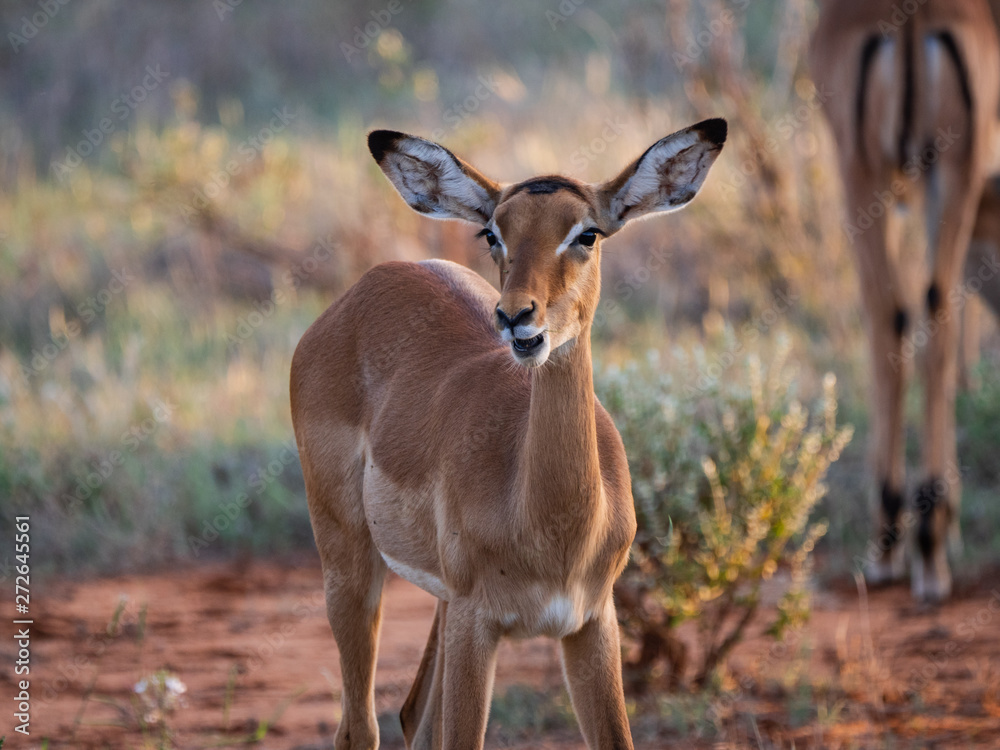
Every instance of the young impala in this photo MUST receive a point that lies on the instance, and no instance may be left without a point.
(451, 434)
(913, 99)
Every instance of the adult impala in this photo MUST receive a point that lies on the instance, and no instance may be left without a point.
(452, 434)
(913, 90)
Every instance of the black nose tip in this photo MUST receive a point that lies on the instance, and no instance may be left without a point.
(506, 320)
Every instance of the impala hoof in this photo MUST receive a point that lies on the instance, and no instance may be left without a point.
(931, 579)
(890, 568)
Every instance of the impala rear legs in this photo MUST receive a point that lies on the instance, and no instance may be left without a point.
(592, 662)
(353, 574)
(886, 317)
(953, 195)
(420, 716)
(462, 681)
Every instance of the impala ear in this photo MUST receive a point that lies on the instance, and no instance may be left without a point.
(431, 179)
(664, 178)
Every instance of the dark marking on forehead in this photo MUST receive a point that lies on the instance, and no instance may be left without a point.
(549, 184)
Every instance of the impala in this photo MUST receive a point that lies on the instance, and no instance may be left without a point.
(451, 434)
(914, 90)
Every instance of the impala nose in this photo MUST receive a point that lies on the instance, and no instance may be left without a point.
(506, 321)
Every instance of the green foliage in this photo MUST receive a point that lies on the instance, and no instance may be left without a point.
(978, 419)
(206, 500)
(724, 476)
(522, 712)
(144, 371)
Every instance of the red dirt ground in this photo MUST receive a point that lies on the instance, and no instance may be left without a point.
(252, 644)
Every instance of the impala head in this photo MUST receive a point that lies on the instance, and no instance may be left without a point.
(545, 233)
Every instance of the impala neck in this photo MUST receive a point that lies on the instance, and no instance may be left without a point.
(563, 470)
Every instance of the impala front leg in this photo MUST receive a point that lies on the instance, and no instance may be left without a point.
(593, 664)
(470, 646)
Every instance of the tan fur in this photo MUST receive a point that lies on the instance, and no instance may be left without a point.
(902, 114)
(496, 482)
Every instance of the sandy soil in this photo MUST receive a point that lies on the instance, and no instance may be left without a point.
(252, 645)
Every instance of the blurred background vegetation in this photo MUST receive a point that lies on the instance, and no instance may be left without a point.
(184, 187)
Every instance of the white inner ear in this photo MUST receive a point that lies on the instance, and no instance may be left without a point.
(453, 185)
(573, 234)
(649, 178)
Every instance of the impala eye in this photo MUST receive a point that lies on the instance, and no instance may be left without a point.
(490, 237)
(588, 238)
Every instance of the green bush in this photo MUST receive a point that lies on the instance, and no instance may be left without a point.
(978, 419)
(725, 472)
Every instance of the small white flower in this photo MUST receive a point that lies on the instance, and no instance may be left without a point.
(175, 686)
(160, 694)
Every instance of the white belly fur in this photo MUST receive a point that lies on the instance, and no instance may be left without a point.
(420, 578)
(380, 490)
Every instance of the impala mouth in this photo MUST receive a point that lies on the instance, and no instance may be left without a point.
(527, 346)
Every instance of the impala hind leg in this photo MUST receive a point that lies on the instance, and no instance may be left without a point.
(355, 615)
(420, 716)
(353, 575)
(887, 319)
(951, 216)
(593, 666)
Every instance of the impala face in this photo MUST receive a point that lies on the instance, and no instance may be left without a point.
(545, 240)
(544, 233)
